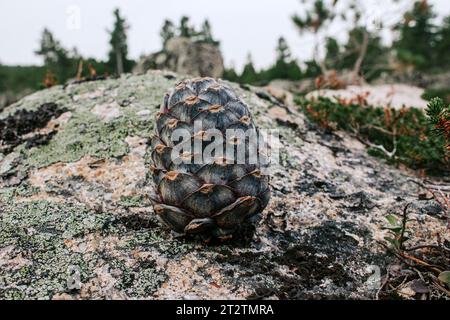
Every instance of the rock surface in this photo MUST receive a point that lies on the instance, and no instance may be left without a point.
(388, 95)
(185, 56)
(76, 222)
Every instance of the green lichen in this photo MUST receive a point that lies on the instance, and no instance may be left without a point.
(85, 134)
(26, 190)
(131, 201)
(36, 231)
(140, 281)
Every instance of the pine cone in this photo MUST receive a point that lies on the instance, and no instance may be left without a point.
(211, 196)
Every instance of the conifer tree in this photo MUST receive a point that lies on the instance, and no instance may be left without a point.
(205, 34)
(249, 74)
(118, 53)
(167, 32)
(417, 36)
(285, 67)
(55, 57)
(443, 44)
(185, 29)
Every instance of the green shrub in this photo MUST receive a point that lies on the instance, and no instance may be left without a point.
(444, 94)
(415, 143)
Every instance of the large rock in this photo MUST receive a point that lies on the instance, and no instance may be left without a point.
(184, 56)
(76, 222)
(296, 87)
(384, 95)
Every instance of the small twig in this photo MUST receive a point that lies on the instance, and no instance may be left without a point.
(405, 257)
(445, 207)
(382, 130)
(386, 280)
(432, 192)
(444, 188)
(425, 246)
(421, 262)
(404, 220)
(390, 154)
(438, 286)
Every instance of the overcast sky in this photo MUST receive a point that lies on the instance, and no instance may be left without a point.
(242, 26)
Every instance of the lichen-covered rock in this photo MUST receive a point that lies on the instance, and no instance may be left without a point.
(76, 221)
(184, 56)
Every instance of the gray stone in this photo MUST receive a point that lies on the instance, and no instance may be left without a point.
(185, 56)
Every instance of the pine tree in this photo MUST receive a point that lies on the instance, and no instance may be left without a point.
(312, 69)
(315, 20)
(285, 67)
(352, 16)
(230, 75)
(205, 34)
(417, 39)
(118, 60)
(333, 53)
(375, 59)
(249, 74)
(55, 57)
(443, 44)
(283, 51)
(185, 29)
(167, 32)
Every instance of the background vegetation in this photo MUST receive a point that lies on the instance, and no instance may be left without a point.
(419, 46)
(420, 49)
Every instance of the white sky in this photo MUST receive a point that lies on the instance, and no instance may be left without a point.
(242, 26)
